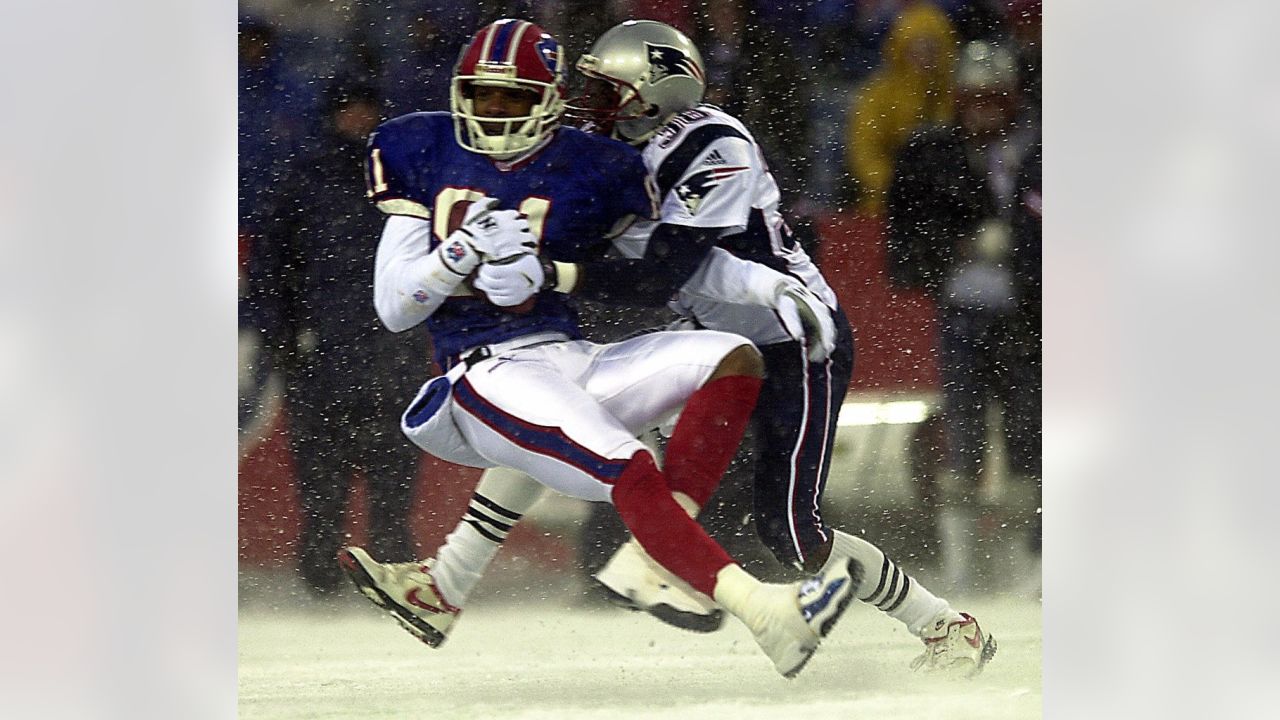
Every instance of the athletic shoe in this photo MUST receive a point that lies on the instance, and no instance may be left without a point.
(634, 581)
(955, 647)
(406, 590)
(789, 621)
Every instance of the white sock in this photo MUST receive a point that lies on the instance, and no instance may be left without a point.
(686, 503)
(734, 587)
(501, 498)
(885, 586)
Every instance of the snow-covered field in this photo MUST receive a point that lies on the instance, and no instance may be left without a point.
(551, 656)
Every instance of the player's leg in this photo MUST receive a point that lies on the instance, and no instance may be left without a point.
(795, 423)
(788, 512)
(715, 377)
(527, 411)
(577, 447)
(800, 406)
(501, 498)
(427, 596)
(676, 370)
(671, 369)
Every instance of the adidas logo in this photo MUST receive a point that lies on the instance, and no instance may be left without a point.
(714, 159)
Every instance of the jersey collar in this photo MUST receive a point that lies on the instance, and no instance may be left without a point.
(524, 159)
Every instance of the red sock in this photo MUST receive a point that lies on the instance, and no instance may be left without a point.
(662, 528)
(708, 433)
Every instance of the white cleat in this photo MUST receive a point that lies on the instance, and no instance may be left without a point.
(634, 581)
(791, 620)
(955, 647)
(405, 590)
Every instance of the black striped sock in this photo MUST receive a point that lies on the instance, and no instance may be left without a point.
(892, 588)
(490, 519)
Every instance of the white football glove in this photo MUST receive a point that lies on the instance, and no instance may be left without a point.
(486, 232)
(806, 319)
(510, 281)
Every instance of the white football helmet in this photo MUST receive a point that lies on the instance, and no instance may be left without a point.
(650, 71)
(511, 54)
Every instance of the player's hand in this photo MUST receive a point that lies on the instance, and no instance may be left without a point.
(511, 281)
(807, 319)
(486, 232)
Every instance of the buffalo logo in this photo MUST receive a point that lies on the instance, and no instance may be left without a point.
(695, 188)
(666, 61)
(549, 53)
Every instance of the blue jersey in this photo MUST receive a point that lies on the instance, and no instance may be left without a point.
(577, 191)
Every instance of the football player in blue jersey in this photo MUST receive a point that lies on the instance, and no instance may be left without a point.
(495, 211)
(730, 263)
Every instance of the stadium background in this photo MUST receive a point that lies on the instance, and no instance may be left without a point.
(792, 73)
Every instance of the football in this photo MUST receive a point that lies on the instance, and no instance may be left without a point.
(457, 213)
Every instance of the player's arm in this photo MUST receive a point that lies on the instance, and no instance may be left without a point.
(674, 253)
(413, 273)
(802, 314)
(410, 279)
(704, 192)
(671, 255)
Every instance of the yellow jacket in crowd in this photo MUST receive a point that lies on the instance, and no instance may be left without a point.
(911, 87)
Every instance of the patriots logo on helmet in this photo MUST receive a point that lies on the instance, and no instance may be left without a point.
(694, 190)
(666, 61)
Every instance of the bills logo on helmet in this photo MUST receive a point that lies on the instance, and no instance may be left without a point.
(695, 188)
(666, 61)
(549, 53)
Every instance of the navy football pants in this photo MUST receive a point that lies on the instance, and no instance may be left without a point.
(795, 429)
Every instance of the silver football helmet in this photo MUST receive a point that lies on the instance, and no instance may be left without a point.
(649, 72)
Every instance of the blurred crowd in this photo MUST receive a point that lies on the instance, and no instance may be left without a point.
(832, 88)
(921, 114)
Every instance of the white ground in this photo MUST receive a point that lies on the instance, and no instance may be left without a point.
(552, 658)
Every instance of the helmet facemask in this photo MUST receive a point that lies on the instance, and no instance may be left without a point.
(612, 107)
(503, 136)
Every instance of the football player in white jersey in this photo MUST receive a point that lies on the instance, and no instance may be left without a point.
(731, 264)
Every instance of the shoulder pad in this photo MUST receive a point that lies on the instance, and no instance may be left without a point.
(399, 150)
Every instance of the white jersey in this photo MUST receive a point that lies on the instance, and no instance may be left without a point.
(710, 173)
